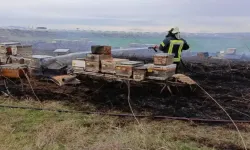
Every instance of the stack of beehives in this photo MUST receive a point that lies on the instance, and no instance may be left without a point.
(16, 53)
(101, 60)
(127, 69)
(162, 68)
(93, 60)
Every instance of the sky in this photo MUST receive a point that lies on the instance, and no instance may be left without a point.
(129, 15)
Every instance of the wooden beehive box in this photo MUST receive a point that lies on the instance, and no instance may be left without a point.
(3, 49)
(92, 66)
(24, 51)
(78, 69)
(97, 57)
(27, 61)
(101, 49)
(163, 59)
(203, 55)
(125, 69)
(35, 63)
(160, 72)
(108, 65)
(3, 59)
(14, 70)
(17, 60)
(139, 73)
(78, 65)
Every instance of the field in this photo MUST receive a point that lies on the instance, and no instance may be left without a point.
(227, 82)
(81, 40)
(27, 129)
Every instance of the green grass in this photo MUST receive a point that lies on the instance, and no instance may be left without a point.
(29, 129)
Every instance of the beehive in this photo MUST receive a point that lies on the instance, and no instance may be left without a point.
(203, 55)
(139, 73)
(125, 69)
(78, 65)
(92, 66)
(24, 50)
(3, 49)
(108, 65)
(3, 59)
(101, 49)
(160, 72)
(14, 70)
(163, 59)
(17, 60)
(97, 57)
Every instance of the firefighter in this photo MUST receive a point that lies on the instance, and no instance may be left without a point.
(173, 44)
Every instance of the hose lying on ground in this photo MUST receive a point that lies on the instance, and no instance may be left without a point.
(128, 115)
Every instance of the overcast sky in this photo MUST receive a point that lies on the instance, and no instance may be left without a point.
(145, 15)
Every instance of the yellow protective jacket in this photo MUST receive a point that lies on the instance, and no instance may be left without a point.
(174, 46)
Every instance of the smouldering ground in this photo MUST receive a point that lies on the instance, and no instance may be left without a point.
(29, 129)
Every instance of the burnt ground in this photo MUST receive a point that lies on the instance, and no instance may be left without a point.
(227, 82)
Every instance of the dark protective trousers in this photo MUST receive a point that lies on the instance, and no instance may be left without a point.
(177, 67)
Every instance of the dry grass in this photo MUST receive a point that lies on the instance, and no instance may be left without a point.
(27, 129)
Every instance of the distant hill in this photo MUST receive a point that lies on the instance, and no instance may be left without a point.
(33, 34)
(81, 40)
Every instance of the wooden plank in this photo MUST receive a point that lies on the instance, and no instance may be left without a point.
(121, 79)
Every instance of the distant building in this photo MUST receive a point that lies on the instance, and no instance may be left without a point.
(59, 52)
(10, 43)
(41, 28)
(231, 51)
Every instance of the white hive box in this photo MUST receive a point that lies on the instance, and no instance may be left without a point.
(78, 65)
(160, 72)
